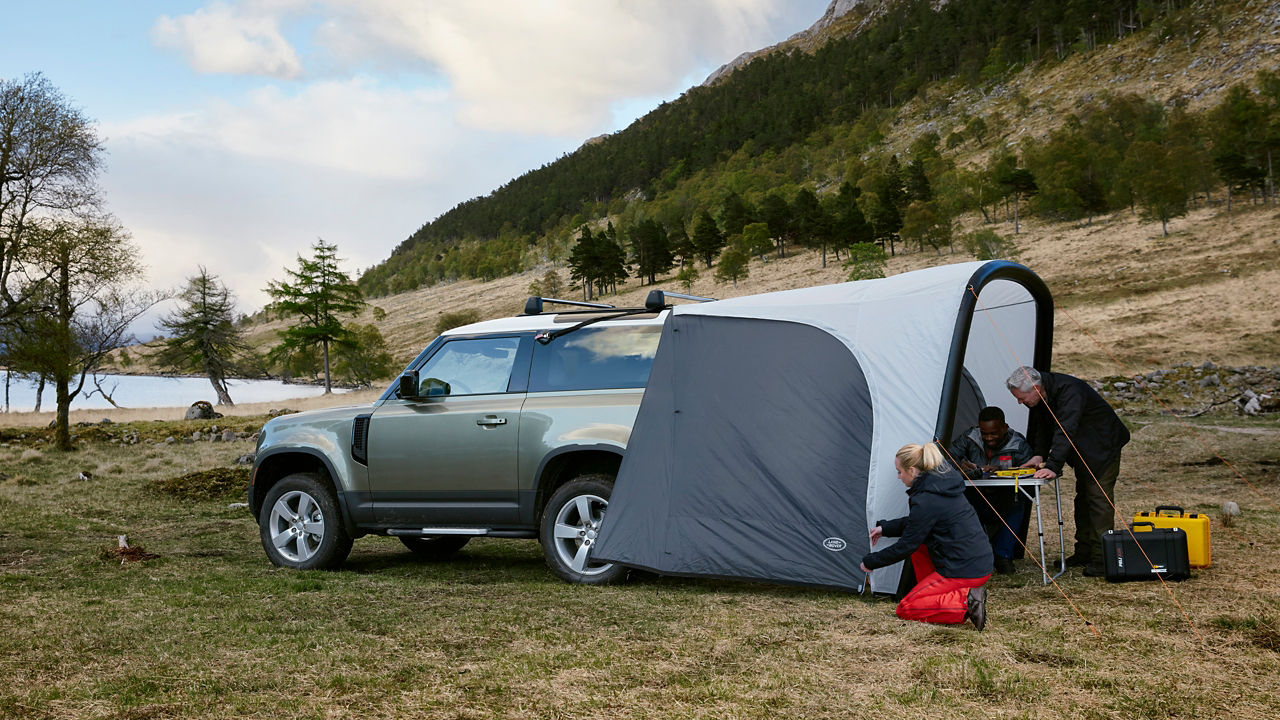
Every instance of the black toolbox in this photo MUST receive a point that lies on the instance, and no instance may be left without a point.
(1166, 548)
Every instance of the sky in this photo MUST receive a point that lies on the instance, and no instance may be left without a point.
(237, 132)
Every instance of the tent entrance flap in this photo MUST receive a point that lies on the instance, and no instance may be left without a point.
(749, 457)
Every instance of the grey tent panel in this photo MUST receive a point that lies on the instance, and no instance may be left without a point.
(748, 458)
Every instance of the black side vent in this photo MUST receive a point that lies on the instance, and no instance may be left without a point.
(360, 439)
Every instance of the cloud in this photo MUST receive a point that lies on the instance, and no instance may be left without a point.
(230, 39)
(527, 66)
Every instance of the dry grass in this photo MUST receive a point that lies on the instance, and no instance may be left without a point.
(209, 629)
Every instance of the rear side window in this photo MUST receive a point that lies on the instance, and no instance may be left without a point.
(595, 359)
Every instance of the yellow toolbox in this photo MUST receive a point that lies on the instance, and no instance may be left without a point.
(1195, 525)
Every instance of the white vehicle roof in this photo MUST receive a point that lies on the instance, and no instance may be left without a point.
(543, 321)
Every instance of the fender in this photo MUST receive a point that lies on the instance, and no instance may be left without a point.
(529, 499)
(344, 502)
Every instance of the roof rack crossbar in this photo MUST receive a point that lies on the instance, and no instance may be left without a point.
(657, 299)
(533, 306)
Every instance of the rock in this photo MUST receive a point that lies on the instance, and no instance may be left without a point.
(1208, 365)
(1120, 385)
(1230, 511)
(105, 421)
(245, 459)
(201, 410)
(170, 440)
(228, 435)
(1210, 381)
(84, 475)
(196, 436)
(214, 437)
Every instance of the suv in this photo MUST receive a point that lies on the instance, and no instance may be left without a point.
(508, 428)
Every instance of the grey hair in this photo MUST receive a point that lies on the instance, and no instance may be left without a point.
(1023, 379)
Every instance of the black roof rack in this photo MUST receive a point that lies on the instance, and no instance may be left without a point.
(657, 299)
(533, 306)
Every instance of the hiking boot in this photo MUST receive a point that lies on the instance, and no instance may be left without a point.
(1096, 569)
(1078, 560)
(1004, 566)
(977, 612)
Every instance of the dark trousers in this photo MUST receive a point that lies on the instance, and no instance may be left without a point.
(1093, 507)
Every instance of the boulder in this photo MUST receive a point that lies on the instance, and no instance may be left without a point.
(201, 410)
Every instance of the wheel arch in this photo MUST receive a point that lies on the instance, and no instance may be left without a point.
(566, 463)
(273, 466)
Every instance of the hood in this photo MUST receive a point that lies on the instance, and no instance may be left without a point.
(944, 481)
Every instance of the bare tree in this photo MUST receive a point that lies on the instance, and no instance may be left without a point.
(50, 155)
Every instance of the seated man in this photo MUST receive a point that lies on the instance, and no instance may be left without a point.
(992, 445)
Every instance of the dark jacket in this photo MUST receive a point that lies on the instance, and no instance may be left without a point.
(1088, 420)
(969, 446)
(943, 520)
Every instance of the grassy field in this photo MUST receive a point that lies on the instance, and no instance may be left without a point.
(208, 628)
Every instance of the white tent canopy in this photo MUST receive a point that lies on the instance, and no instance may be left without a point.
(898, 352)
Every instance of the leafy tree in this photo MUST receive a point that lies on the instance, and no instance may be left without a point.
(687, 276)
(84, 309)
(1160, 190)
(755, 239)
(707, 238)
(204, 338)
(317, 294)
(866, 261)
(366, 358)
(681, 245)
(776, 213)
(735, 214)
(1239, 125)
(986, 244)
(455, 318)
(733, 264)
(925, 224)
(549, 285)
(49, 159)
(849, 226)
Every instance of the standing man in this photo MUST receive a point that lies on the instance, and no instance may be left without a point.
(1072, 425)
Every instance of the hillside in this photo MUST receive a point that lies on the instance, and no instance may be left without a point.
(1205, 292)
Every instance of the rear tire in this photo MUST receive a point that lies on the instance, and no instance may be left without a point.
(301, 526)
(435, 547)
(570, 522)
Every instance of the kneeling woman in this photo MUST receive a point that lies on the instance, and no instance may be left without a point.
(941, 534)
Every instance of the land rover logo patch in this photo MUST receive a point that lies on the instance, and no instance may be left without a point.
(835, 544)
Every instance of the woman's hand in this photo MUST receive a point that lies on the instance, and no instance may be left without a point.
(864, 567)
(1034, 462)
(876, 533)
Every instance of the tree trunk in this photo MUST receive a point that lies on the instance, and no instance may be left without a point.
(328, 387)
(62, 433)
(220, 389)
(1164, 227)
(824, 258)
(39, 393)
(1015, 214)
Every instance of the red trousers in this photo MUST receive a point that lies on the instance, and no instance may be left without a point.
(936, 599)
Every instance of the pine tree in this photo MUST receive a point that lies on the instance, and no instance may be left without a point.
(316, 294)
(204, 338)
(707, 238)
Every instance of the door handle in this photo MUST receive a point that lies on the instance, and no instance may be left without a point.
(491, 420)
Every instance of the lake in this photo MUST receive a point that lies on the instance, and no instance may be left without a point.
(142, 391)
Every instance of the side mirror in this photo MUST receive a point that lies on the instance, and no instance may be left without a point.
(409, 384)
(436, 387)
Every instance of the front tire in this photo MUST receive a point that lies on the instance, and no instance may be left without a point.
(435, 547)
(301, 526)
(570, 523)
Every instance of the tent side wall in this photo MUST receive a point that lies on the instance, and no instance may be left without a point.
(762, 429)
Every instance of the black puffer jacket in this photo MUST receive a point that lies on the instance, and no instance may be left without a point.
(943, 520)
(1088, 420)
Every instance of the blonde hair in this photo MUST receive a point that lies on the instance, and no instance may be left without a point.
(925, 458)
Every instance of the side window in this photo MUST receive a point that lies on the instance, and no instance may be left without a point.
(471, 367)
(595, 359)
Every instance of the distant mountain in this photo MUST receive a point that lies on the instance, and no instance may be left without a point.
(867, 72)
